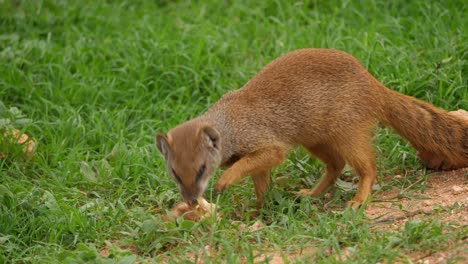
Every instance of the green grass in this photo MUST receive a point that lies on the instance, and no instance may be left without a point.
(100, 78)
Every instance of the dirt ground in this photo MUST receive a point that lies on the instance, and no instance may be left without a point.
(443, 191)
(387, 211)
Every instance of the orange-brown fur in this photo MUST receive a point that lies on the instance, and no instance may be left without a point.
(322, 99)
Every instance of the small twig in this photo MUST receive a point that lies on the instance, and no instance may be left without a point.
(406, 215)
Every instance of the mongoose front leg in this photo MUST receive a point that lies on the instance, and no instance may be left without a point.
(255, 162)
(335, 164)
(261, 179)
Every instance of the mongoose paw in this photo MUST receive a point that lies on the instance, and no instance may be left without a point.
(354, 204)
(227, 179)
(219, 187)
(308, 192)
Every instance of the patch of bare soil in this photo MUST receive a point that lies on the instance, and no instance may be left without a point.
(443, 191)
(445, 197)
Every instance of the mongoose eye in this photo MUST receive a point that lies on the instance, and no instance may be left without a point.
(176, 176)
(200, 172)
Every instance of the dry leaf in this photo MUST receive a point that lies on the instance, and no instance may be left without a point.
(16, 137)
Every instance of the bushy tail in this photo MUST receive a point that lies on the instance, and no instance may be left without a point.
(440, 138)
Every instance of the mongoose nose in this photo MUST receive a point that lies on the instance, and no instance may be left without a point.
(192, 201)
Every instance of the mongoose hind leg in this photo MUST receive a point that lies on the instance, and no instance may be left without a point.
(335, 164)
(362, 160)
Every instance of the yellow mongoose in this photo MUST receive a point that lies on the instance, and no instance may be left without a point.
(322, 99)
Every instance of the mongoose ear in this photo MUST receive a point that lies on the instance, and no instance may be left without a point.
(211, 136)
(162, 144)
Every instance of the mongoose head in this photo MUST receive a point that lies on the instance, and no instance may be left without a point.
(192, 154)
